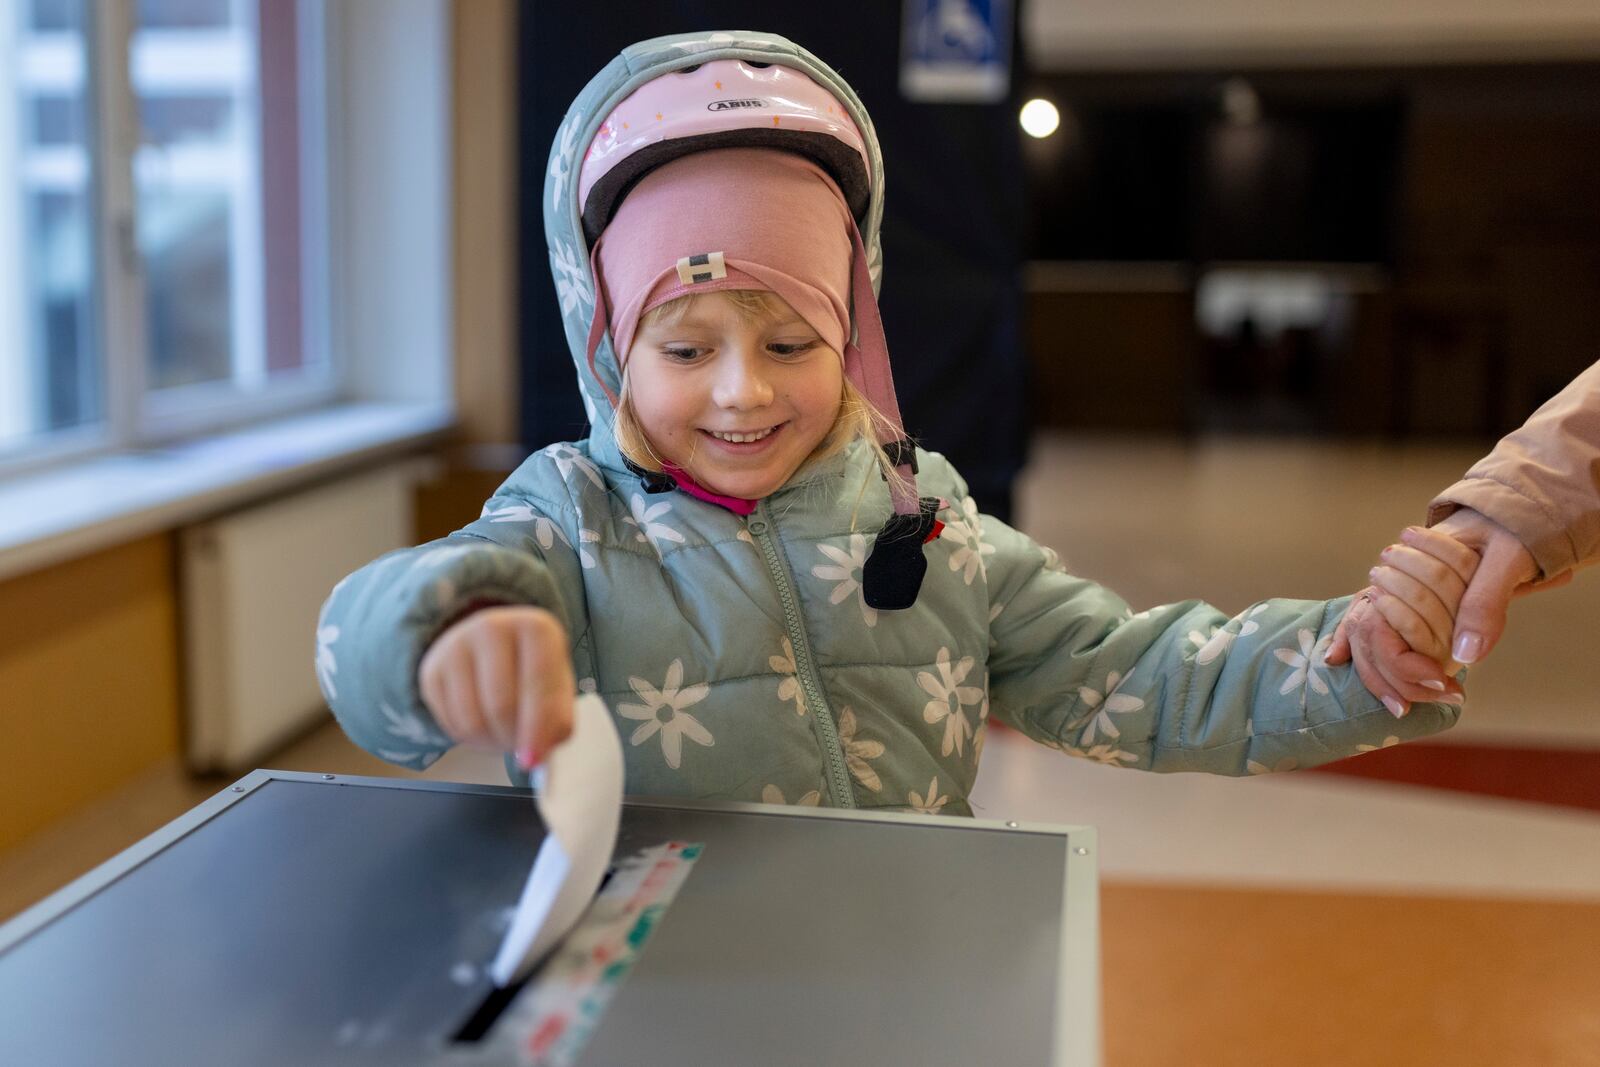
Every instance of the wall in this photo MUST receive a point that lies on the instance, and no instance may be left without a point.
(88, 680)
(485, 220)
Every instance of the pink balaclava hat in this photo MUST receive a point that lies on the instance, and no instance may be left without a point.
(774, 220)
(767, 219)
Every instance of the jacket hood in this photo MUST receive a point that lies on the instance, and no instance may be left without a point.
(563, 226)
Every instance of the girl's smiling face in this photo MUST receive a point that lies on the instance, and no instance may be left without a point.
(738, 399)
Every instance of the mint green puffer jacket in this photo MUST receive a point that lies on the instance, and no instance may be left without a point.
(738, 656)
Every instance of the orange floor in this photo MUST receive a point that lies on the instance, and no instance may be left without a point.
(1252, 977)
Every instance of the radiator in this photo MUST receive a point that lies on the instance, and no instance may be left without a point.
(252, 583)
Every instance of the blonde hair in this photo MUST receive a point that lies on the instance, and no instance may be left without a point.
(857, 417)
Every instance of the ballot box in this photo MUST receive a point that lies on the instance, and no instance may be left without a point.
(319, 919)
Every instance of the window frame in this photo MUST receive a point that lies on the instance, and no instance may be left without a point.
(133, 416)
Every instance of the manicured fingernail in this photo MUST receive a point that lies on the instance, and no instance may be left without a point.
(1432, 684)
(1396, 708)
(1469, 646)
(1453, 699)
(1373, 574)
(527, 757)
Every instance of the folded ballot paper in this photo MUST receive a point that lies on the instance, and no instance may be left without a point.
(578, 791)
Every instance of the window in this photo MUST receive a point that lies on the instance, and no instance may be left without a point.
(162, 210)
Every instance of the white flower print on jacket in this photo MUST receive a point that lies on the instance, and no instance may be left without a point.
(966, 530)
(950, 700)
(1110, 755)
(662, 712)
(930, 804)
(568, 459)
(585, 557)
(412, 729)
(648, 521)
(857, 751)
(789, 686)
(846, 570)
(545, 532)
(572, 283)
(1111, 702)
(773, 795)
(1210, 647)
(980, 732)
(1305, 664)
(327, 664)
(561, 160)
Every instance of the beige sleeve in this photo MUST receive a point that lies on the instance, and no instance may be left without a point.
(1542, 481)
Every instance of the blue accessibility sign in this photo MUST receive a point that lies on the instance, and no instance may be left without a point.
(956, 51)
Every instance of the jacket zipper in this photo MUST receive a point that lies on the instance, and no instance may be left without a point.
(805, 668)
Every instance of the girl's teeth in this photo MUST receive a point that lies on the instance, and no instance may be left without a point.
(741, 438)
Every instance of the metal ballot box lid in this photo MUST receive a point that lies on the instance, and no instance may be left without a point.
(307, 919)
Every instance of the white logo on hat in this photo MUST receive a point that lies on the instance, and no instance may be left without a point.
(705, 267)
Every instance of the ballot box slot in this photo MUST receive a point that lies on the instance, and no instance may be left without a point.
(488, 1012)
(499, 998)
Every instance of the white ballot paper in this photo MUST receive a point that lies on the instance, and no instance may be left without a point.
(579, 794)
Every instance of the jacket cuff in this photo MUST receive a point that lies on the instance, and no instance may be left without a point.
(1540, 532)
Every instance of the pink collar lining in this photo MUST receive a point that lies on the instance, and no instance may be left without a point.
(737, 505)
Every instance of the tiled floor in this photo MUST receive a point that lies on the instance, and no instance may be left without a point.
(1305, 919)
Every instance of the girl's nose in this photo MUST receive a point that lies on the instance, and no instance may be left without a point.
(742, 383)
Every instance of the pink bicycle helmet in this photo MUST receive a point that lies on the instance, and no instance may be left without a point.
(723, 103)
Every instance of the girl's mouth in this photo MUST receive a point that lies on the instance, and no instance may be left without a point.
(747, 441)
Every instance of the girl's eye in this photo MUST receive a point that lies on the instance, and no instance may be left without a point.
(681, 355)
(791, 350)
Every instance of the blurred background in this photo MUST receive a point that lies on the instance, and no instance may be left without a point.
(1211, 296)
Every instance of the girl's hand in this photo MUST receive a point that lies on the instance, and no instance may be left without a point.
(1386, 664)
(501, 678)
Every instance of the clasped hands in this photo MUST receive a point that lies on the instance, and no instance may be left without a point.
(1438, 600)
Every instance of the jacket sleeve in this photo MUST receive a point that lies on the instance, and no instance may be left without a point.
(378, 622)
(1182, 687)
(1542, 481)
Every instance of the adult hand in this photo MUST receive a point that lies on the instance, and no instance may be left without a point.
(1507, 571)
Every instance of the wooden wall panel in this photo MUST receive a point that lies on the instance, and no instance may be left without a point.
(89, 692)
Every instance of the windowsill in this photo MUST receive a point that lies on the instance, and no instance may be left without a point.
(84, 507)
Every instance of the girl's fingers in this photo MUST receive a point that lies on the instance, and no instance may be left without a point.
(1414, 611)
(1440, 545)
(1439, 577)
(1339, 648)
(495, 673)
(463, 717)
(545, 688)
(428, 684)
(1367, 670)
(1391, 670)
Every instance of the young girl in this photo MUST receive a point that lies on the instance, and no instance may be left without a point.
(778, 598)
